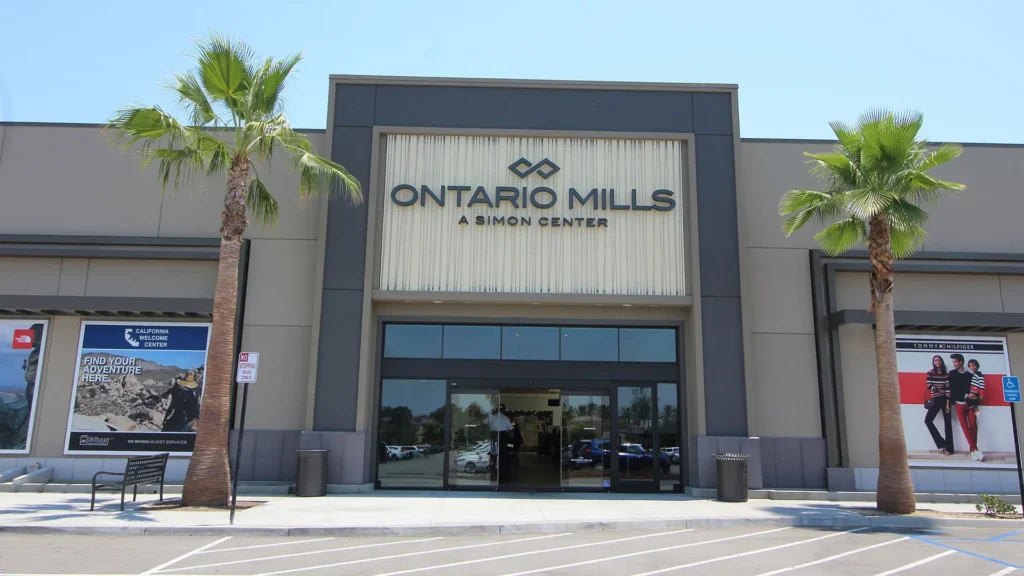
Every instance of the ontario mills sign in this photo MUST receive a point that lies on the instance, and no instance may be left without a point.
(572, 215)
(576, 207)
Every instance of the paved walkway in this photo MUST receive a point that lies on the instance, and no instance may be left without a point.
(414, 513)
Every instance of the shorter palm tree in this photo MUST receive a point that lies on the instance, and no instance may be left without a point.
(877, 177)
(234, 121)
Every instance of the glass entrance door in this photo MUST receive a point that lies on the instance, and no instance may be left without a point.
(473, 446)
(586, 439)
(640, 463)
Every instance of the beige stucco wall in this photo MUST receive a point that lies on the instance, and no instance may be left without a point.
(933, 292)
(777, 307)
(102, 192)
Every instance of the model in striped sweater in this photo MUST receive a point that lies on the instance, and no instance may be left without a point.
(938, 401)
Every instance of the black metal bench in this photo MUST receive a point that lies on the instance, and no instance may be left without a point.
(139, 470)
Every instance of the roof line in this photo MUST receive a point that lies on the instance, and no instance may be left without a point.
(822, 141)
(531, 83)
(101, 125)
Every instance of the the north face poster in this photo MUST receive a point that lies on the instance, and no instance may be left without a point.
(138, 387)
(21, 367)
(952, 401)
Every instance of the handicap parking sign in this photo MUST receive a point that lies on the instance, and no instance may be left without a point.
(1011, 389)
(606, 483)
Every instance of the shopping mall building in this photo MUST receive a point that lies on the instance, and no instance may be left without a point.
(590, 276)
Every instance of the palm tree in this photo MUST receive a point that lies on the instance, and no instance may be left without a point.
(876, 179)
(235, 121)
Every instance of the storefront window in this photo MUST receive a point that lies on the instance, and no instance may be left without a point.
(647, 345)
(410, 446)
(412, 341)
(636, 439)
(590, 344)
(472, 342)
(668, 434)
(529, 343)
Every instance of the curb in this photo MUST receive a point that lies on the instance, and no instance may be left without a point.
(844, 521)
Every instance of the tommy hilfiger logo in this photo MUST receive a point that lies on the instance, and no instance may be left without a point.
(523, 168)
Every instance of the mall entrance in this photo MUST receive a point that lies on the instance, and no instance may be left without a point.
(558, 436)
(530, 408)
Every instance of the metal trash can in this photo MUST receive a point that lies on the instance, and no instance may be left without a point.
(311, 473)
(732, 477)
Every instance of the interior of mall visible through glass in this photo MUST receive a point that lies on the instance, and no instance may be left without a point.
(475, 435)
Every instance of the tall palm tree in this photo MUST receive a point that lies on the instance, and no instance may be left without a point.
(234, 121)
(876, 179)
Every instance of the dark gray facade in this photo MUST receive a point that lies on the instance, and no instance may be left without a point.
(360, 105)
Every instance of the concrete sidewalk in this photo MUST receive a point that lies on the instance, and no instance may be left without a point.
(414, 513)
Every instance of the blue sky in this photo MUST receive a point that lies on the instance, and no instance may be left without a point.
(798, 64)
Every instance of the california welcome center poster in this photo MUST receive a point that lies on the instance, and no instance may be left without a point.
(988, 424)
(138, 387)
(21, 363)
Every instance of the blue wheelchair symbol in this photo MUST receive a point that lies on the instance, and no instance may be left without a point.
(606, 483)
(1011, 389)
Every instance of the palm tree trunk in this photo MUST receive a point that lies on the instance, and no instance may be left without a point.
(895, 490)
(208, 480)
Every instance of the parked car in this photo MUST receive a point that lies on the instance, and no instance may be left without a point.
(597, 454)
(635, 457)
(410, 451)
(672, 453)
(472, 462)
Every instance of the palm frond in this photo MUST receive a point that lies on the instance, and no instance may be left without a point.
(835, 168)
(803, 205)
(146, 125)
(181, 163)
(848, 139)
(866, 202)
(890, 143)
(225, 69)
(905, 241)
(267, 85)
(842, 236)
(318, 174)
(903, 215)
(943, 154)
(262, 205)
(193, 99)
(261, 136)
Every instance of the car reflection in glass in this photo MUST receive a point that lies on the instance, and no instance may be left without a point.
(596, 454)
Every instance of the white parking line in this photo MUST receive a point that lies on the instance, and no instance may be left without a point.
(185, 555)
(546, 550)
(916, 564)
(379, 558)
(644, 552)
(748, 553)
(263, 546)
(831, 558)
(1004, 571)
(262, 558)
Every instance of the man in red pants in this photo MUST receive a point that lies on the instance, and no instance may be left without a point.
(960, 392)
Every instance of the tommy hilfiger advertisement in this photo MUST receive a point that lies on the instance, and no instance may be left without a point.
(138, 387)
(951, 394)
(21, 364)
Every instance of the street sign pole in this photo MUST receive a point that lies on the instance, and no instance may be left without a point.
(248, 365)
(1016, 451)
(238, 450)
(1011, 395)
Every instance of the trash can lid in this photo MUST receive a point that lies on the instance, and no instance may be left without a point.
(731, 456)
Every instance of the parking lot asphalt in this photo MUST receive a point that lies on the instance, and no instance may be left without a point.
(733, 551)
